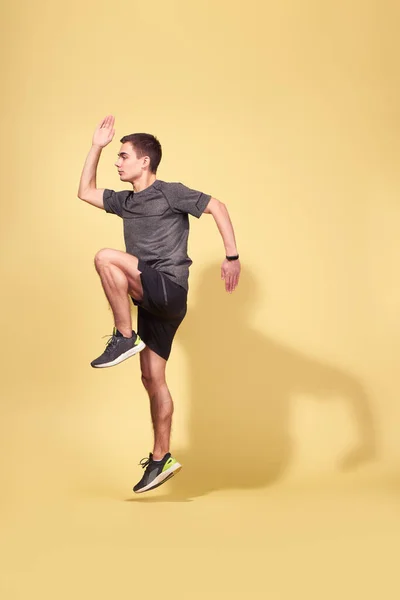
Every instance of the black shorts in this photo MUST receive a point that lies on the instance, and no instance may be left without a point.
(161, 310)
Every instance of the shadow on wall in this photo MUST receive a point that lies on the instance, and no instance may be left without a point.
(241, 386)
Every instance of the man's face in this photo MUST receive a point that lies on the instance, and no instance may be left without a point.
(129, 166)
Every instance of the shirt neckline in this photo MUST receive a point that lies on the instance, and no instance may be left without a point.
(145, 189)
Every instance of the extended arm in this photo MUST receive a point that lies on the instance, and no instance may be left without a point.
(230, 269)
(87, 185)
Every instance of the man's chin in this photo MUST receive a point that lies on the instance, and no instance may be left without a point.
(124, 178)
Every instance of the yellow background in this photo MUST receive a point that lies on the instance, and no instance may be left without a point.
(286, 392)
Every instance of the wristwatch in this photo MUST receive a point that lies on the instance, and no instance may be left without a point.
(233, 257)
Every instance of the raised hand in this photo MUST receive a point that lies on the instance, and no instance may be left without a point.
(104, 132)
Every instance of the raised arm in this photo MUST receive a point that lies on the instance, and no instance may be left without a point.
(102, 136)
(230, 269)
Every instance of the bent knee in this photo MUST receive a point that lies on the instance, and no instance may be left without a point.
(103, 256)
(127, 262)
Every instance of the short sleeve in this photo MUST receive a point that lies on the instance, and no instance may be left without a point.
(185, 200)
(113, 201)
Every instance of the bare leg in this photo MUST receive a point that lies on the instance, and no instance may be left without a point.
(161, 404)
(162, 408)
(119, 277)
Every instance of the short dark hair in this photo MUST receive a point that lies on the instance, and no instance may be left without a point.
(145, 144)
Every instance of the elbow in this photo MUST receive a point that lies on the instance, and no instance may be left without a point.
(82, 194)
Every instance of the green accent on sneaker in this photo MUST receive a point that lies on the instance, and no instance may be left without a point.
(171, 461)
(137, 341)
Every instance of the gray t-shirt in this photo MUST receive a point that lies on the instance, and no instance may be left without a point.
(156, 224)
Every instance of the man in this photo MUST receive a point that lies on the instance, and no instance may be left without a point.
(153, 272)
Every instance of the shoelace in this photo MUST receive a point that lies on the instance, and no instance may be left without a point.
(146, 462)
(111, 342)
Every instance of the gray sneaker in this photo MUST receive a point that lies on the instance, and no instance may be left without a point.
(118, 348)
(157, 472)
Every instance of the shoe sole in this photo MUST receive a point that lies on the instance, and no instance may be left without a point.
(122, 357)
(161, 478)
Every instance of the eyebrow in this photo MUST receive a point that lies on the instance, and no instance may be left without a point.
(119, 153)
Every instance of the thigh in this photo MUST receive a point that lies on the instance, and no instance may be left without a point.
(157, 332)
(128, 264)
(161, 296)
(152, 365)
